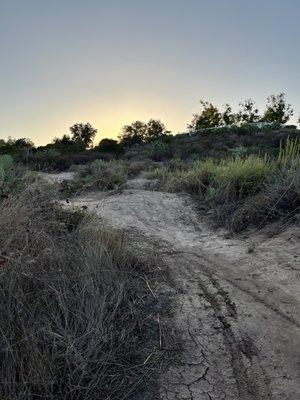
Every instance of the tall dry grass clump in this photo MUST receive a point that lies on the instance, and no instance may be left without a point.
(289, 153)
(73, 321)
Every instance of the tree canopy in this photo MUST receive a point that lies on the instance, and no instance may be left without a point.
(248, 113)
(139, 132)
(84, 133)
(210, 117)
(278, 110)
(108, 145)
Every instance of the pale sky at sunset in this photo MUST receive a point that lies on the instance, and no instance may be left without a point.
(110, 62)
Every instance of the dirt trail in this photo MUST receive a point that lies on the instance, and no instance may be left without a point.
(236, 303)
(58, 177)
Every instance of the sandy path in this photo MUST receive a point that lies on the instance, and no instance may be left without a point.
(237, 311)
(58, 177)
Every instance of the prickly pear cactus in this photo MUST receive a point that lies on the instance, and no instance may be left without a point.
(6, 161)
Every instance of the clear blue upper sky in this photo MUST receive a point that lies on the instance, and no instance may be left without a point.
(111, 62)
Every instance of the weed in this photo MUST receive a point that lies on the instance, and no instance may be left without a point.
(289, 153)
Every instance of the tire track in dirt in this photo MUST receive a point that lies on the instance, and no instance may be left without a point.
(250, 377)
(243, 288)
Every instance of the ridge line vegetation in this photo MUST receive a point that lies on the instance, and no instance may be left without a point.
(77, 147)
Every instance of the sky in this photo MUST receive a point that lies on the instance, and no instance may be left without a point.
(111, 62)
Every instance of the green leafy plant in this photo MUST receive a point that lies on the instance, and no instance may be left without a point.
(239, 151)
(6, 161)
(6, 175)
(158, 150)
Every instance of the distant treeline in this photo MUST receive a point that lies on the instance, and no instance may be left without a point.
(78, 146)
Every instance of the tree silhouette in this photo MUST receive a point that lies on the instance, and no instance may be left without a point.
(133, 134)
(210, 117)
(248, 113)
(84, 133)
(277, 109)
(155, 129)
(108, 145)
(228, 117)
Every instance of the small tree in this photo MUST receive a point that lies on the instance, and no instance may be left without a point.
(23, 143)
(278, 111)
(67, 144)
(84, 133)
(210, 117)
(64, 141)
(248, 113)
(133, 134)
(228, 117)
(155, 129)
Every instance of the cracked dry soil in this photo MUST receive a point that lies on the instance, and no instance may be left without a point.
(237, 311)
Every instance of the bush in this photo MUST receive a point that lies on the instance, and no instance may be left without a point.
(75, 318)
(134, 168)
(221, 185)
(108, 146)
(242, 177)
(48, 160)
(236, 176)
(278, 199)
(241, 191)
(101, 175)
(13, 177)
(240, 129)
(158, 150)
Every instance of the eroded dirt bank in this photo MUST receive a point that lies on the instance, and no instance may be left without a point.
(236, 302)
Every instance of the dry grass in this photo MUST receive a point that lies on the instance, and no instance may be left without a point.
(73, 317)
(134, 168)
(279, 199)
(237, 176)
(241, 191)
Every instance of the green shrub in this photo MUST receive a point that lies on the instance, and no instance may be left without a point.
(237, 177)
(241, 192)
(158, 150)
(134, 168)
(239, 129)
(159, 172)
(239, 151)
(244, 176)
(48, 160)
(6, 162)
(100, 175)
(12, 177)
